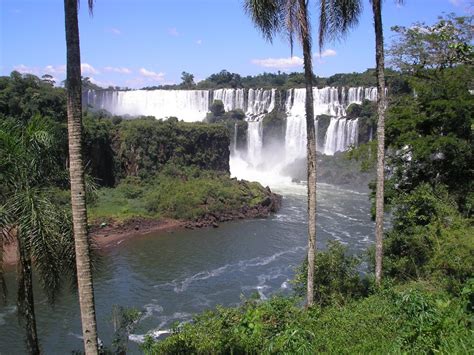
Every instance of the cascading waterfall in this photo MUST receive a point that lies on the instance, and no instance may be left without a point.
(232, 99)
(188, 105)
(235, 139)
(341, 134)
(254, 142)
(193, 105)
(259, 102)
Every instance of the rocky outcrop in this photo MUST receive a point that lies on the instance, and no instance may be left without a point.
(271, 203)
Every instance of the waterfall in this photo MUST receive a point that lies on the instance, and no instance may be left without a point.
(235, 138)
(192, 105)
(341, 134)
(260, 101)
(231, 98)
(254, 142)
(295, 135)
(188, 105)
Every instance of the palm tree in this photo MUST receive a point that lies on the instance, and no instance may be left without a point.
(381, 107)
(76, 172)
(29, 218)
(292, 18)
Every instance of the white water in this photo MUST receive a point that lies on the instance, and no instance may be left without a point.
(341, 133)
(192, 105)
(187, 105)
(254, 142)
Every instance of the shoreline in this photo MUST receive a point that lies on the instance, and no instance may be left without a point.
(115, 232)
(109, 236)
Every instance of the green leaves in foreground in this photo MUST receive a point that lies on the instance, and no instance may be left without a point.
(413, 319)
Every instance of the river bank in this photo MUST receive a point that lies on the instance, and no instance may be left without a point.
(112, 232)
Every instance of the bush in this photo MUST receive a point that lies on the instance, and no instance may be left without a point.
(336, 277)
(177, 192)
(430, 239)
(412, 319)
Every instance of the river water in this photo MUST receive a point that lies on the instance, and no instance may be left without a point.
(173, 275)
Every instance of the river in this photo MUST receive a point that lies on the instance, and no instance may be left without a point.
(171, 276)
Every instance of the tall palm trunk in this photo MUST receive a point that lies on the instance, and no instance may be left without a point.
(25, 302)
(381, 106)
(3, 286)
(310, 147)
(76, 172)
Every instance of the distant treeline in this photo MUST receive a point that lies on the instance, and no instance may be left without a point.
(279, 80)
(114, 148)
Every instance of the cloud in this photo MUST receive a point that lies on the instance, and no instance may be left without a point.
(114, 31)
(327, 53)
(279, 63)
(103, 84)
(199, 42)
(24, 69)
(88, 69)
(172, 31)
(152, 75)
(120, 70)
(55, 69)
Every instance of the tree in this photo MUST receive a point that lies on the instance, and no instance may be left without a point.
(422, 47)
(292, 17)
(76, 172)
(29, 218)
(335, 22)
(381, 107)
(187, 80)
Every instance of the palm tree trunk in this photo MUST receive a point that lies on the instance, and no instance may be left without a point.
(76, 172)
(3, 286)
(381, 106)
(25, 301)
(311, 149)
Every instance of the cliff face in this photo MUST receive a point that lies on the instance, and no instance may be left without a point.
(141, 147)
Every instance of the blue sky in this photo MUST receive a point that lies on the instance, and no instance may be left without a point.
(138, 43)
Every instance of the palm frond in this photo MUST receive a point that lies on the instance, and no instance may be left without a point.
(336, 18)
(90, 5)
(42, 236)
(267, 16)
(290, 16)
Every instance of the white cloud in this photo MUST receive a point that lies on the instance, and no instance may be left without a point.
(103, 84)
(327, 53)
(24, 69)
(199, 42)
(279, 63)
(152, 75)
(120, 70)
(114, 31)
(173, 32)
(88, 69)
(55, 69)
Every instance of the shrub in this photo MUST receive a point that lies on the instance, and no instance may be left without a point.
(336, 276)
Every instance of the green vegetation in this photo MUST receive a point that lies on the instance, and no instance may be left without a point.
(411, 318)
(426, 303)
(145, 146)
(176, 192)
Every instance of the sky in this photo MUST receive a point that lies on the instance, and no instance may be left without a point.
(137, 43)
